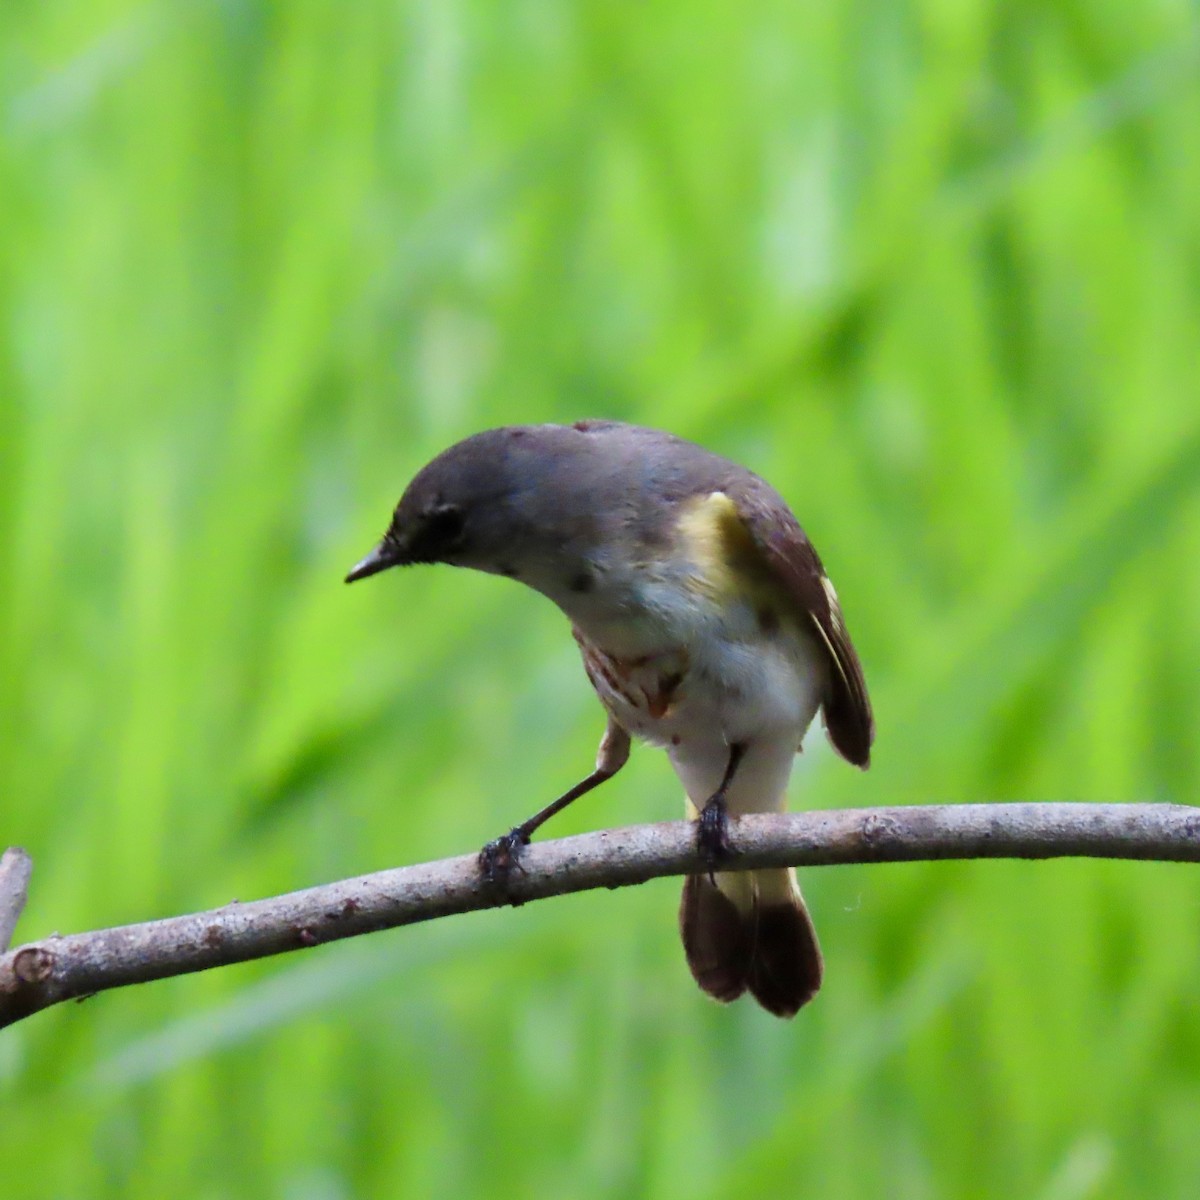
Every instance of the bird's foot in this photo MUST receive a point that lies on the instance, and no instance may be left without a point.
(499, 858)
(712, 833)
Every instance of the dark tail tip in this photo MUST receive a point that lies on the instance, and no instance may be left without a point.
(772, 950)
(786, 967)
(714, 939)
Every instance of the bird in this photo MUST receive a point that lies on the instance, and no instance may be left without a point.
(707, 627)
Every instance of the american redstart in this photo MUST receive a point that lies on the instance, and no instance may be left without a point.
(707, 626)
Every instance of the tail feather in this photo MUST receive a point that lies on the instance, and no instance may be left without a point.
(714, 939)
(786, 967)
(764, 941)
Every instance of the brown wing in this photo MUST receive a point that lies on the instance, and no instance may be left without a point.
(791, 558)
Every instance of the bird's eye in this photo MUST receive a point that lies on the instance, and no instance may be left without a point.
(444, 527)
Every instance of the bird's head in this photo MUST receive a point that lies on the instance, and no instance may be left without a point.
(476, 505)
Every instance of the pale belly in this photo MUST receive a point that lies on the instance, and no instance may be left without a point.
(715, 690)
(697, 702)
(697, 676)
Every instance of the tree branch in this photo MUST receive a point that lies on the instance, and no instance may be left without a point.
(40, 974)
(15, 868)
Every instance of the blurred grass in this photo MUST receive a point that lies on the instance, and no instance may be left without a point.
(929, 268)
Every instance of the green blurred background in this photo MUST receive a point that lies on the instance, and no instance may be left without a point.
(933, 269)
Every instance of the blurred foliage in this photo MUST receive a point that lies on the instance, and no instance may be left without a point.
(933, 269)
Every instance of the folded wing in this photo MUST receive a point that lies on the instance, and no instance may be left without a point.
(789, 556)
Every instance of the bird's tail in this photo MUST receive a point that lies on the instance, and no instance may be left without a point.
(750, 930)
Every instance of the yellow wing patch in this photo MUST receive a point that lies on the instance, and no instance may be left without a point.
(715, 538)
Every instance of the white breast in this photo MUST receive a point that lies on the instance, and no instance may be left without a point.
(741, 681)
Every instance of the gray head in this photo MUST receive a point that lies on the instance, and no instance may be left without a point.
(449, 513)
(548, 504)
(507, 500)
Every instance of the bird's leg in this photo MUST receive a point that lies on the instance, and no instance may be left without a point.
(712, 827)
(497, 858)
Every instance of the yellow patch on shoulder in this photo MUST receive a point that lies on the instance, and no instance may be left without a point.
(716, 539)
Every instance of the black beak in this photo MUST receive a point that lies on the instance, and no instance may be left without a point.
(383, 556)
